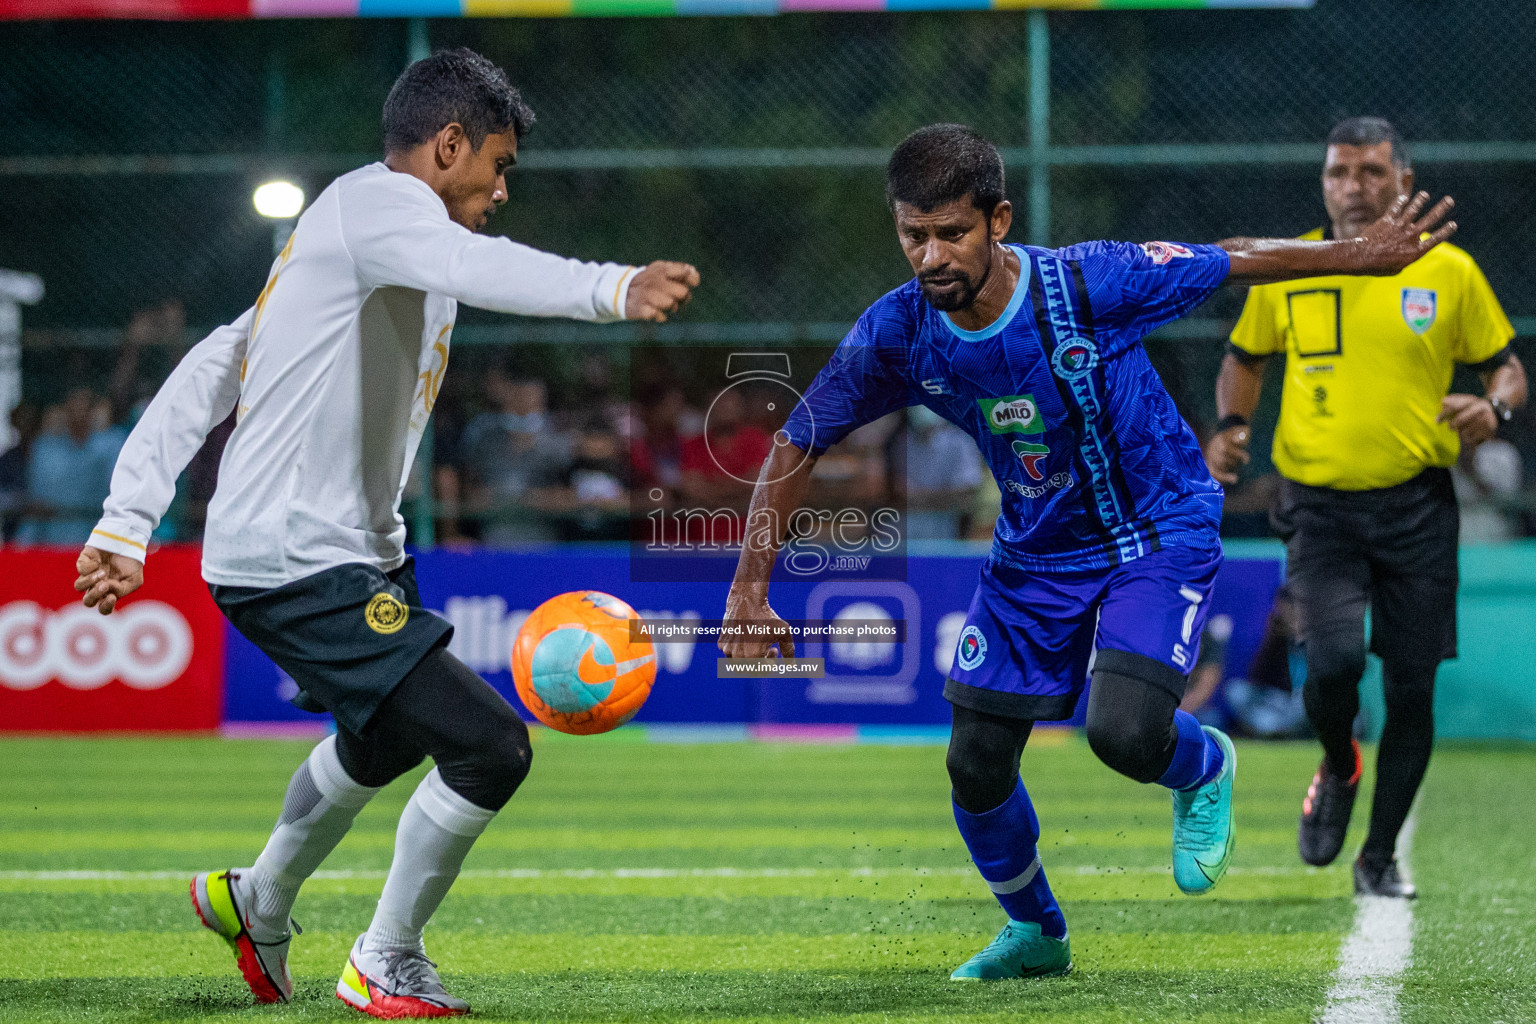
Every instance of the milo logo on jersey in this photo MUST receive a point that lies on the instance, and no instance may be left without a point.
(1016, 414)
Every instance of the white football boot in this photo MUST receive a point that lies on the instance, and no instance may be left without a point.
(223, 902)
(395, 983)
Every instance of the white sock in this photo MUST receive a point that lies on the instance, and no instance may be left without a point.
(436, 831)
(318, 810)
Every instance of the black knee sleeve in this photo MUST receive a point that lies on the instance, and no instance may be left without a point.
(484, 754)
(1130, 714)
(983, 757)
(444, 709)
(378, 758)
(489, 773)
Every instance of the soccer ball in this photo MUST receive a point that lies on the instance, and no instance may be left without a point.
(577, 668)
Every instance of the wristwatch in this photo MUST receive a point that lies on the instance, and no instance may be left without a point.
(1501, 409)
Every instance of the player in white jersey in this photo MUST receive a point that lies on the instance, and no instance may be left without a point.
(332, 375)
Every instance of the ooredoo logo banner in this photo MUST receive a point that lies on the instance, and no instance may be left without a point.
(155, 664)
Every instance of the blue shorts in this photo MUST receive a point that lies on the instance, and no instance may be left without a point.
(1028, 638)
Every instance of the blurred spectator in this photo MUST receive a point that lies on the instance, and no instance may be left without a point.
(858, 472)
(516, 463)
(1245, 512)
(598, 397)
(656, 450)
(985, 508)
(596, 483)
(943, 475)
(1268, 704)
(449, 421)
(160, 332)
(1488, 480)
(201, 477)
(1210, 669)
(69, 471)
(25, 420)
(719, 464)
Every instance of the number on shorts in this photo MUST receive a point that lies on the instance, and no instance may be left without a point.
(1181, 655)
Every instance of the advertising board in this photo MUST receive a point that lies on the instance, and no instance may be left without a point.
(156, 664)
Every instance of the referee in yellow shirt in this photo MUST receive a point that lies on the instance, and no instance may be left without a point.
(1366, 436)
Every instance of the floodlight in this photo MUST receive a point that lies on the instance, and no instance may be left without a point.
(278, 200)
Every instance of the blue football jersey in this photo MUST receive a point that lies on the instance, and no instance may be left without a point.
(1095, 465)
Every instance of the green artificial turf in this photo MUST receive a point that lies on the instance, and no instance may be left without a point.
(1474, 859)
(737, 882)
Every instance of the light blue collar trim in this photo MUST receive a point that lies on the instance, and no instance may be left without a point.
(1020, 290)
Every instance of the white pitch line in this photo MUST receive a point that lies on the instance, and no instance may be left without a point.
(1375, 955)
(91, 875)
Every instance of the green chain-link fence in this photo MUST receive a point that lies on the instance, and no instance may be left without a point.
(752, 147)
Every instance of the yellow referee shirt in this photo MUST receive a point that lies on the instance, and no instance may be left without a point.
(1368, 361)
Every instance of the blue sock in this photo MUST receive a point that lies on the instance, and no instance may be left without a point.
(1196, 760)
(1002, 843)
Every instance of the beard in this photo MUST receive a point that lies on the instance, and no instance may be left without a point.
(950, 300)
(953, 299)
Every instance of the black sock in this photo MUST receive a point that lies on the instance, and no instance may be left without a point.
(1335, 663)
(1407, 738)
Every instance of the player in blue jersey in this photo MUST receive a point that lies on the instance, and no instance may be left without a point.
(1107, 545)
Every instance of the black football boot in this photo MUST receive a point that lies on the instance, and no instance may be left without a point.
(1325, 813)
(1386, 880)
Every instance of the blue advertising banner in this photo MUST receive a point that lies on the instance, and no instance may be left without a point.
(488, 594)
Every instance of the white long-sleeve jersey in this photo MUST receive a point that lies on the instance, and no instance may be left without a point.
(334, 371)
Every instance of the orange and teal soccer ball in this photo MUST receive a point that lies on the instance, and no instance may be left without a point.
(576, 666)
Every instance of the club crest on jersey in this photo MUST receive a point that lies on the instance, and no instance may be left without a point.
(973, 648)
(1016, 414)
(1419, 308)
(1166, 252)
(1031, 455)
(1074, 358)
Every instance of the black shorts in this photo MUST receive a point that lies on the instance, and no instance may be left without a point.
(346, 635)
(1392, 549)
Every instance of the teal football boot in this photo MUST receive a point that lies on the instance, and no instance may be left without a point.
(1203, 836)
(1019, 951)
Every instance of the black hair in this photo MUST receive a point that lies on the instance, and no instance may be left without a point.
(944, 162)
(1371, 131)
(452, 86)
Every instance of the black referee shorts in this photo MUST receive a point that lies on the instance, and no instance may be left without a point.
(347, 635)
(1392, 550)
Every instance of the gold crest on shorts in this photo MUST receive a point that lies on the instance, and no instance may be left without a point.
(385, 614)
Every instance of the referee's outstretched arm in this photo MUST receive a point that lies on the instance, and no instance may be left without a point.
(1385, 248)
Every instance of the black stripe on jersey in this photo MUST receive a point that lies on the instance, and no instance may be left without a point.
(1245, 357)
(1493, 362)
(1101, 379)
(1047, 333)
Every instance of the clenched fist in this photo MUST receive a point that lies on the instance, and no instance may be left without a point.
(658, 289)
(1227, 453)
(1471, 416)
